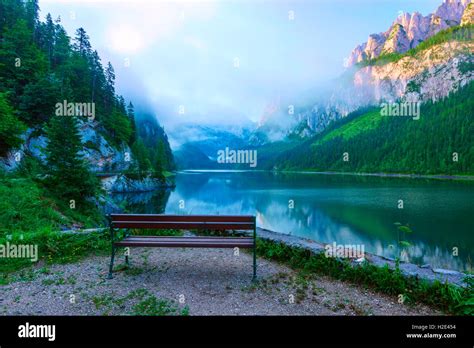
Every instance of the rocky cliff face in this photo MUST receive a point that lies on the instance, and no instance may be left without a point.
(397, 41)
(100, 154)
(97, 151)
(430, 75)
(408, 30)
(102, 158)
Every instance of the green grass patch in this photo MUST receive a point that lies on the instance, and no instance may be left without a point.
(146, 305)
(53, 247)
(151, 306)
(24, 207)
(27, 207)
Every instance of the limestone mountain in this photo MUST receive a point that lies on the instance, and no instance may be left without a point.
(409, 30)
(418, 59)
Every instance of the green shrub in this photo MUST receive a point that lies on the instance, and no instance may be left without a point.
(54, 247)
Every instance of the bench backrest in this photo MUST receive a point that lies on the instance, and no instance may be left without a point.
(192, 222)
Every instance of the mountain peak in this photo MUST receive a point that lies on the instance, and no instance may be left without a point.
(408, 30)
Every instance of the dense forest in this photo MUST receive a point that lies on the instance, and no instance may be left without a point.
(440, 142)
(41, 66)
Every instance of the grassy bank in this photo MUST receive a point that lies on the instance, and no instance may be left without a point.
(29, 214)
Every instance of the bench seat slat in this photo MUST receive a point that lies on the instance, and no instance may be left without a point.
(191, 238)
(193, 242)
(181, 237)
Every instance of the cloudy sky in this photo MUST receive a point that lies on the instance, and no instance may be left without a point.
(224, 61)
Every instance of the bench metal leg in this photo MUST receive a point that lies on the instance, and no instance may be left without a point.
(254, 278)
(111, 263)
(127, 250)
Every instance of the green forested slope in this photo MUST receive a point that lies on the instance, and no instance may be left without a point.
(393, 144)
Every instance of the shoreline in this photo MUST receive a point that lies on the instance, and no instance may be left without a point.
(392, 175)
(382, 175)
(426, 272)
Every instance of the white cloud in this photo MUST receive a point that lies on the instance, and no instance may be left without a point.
(195, 42)
(125, 39)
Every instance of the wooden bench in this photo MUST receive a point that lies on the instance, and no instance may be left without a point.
(182, 222)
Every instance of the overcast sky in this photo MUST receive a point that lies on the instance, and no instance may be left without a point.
(224, 61)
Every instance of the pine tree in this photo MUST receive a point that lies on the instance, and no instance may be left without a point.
(109, 87)
(69, 175)
(82, 43)
(62, 46)
(10, 126)
(98, 78)
(32, 15)
(160, 157)
(47, 38)
(38, 101)
(131, 115)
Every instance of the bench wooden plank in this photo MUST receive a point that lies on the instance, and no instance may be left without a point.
(188, 238)
(181, 237)
(182, 245)
(179, 243)
(195, 242)
(184, 225)
(181, 218)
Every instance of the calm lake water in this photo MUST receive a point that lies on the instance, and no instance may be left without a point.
(334, 208)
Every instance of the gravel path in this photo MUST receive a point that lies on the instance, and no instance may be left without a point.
(200, 281)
